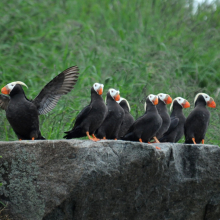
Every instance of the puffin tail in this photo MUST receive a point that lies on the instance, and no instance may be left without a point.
(74, 133)
(40, 137)
(163, 139)
(128, 137)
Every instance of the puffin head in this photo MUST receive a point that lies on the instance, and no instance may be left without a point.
(114, 94)
(203, 97)
(10, 86)
(98, 88)
(181, 101)
(165, 98)
(124, 103)
(151, 99)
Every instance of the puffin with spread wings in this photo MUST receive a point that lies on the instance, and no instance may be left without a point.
(23, 113)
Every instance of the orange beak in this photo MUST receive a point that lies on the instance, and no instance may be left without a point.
(117, 97)
(169, 100)
(186, 105)
(5, 90)
(211, 104)
(155, 101)
(100, 91)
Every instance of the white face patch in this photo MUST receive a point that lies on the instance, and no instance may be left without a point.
(162, 96)
(151, 97)
(11, 86)
(180, 100)
(113, 92)
(97, 86)
(205, 96)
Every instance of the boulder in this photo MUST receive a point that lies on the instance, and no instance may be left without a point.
(109, 180)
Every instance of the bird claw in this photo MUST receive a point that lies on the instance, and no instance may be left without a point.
(158, 148)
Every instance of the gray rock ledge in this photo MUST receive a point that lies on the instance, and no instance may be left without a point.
(109, 180)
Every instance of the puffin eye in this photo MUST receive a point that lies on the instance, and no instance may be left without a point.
(112, 91)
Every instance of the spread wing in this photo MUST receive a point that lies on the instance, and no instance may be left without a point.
(51, 93)
(174, 122)
(4, 100)
(84, 113)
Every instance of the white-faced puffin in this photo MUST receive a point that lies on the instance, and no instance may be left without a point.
(111, 125)
(176, 128)
(163, 100)
(91, 117)
(146, 126)
(128, 118)
(23, 113)
(198, 120)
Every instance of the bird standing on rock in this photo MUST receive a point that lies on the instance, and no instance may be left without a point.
(163, 100)
(146, 126)
(111, 125)
(22, 113)
(176, 128)
(197, 122)
(91, 117)
(128, 118)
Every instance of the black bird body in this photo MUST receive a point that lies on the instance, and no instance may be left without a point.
(23, 114)
(112, 123)
(25, 122)
(128, 118)
(176, 128)
(146, 126)
(90, 118)
(197, 122)
(162, 111)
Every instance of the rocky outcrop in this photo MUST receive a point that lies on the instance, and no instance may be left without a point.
(109, 180)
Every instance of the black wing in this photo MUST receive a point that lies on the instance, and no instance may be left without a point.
(4, 100)
(174, 122)
(82, 115)
(51, 93)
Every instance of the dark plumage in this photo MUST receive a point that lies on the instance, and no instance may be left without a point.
(91, 117)
(176, 128)
(111, 125)
(146, 127)
(128, 118)
(198, 120)
(164, 99)
(22, 113)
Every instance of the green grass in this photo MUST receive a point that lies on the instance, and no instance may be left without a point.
(139, 47)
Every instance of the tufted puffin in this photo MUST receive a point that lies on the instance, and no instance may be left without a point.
(91, 117)
(176, 128)
(163, 100)
(22, 113)
(115, 115)
(128, 118)
(198, 120)
(146, 126)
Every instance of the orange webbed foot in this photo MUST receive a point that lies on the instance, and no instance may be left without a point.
(140, 140)
(158, 148)
(95, 138)
(193, 139)
(156, 140)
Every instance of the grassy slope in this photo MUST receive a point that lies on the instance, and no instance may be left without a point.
(139, 47)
